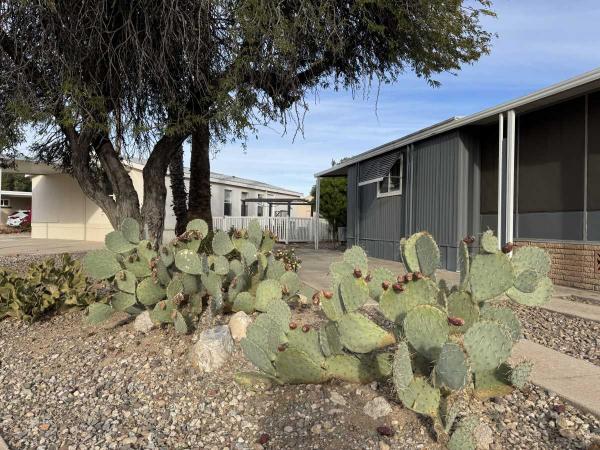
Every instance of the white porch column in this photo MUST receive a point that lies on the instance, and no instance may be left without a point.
(510, 175)
(317, 208)
(500, 176)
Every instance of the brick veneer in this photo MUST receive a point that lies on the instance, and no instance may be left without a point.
(574, 265)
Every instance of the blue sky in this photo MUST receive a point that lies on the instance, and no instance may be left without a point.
(540, 42)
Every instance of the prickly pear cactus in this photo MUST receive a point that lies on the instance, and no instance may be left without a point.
(177, 281)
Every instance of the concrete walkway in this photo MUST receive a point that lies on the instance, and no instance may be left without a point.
(572, 379)
(17, 244)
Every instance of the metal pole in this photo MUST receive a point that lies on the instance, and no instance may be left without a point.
(317, 217)
(1, 196)
(500, 174)
(510, 175)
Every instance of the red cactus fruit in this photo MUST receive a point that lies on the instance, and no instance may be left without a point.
(293, 325)
(263, 439)
(384, 430)
(328, 294)
(508, 247)
(281, 347)
(316, 300)
(357, 273)
(469, 239)
(305, 328)
(456, 321)
(397, 287)
(368, 278)
(385, 285)
(408, 277)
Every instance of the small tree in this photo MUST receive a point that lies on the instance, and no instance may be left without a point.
(332, 205)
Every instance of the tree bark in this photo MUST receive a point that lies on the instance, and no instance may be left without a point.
(155, 189)
(178, 190)
(199, 194)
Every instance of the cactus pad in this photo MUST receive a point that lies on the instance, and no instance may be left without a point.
(267, 244)
(519, 374)
(451, 368)
(378, 277)
(163, 312)
(222, 244)
(354, 293)
(409, 252)
(116, 242)
(255, 233)
(275, 268)
(268, 291)
(491, 275)
(140, 267)
(460, 304)
(198, 225)
(395, 305)
(464, 264)
(329, 340)
(506, 317)
(101, 264)
(356, 258)
(541, 295)
(236, 267)
(290, 282)
(146, 250)
(354, 369)
(221, 265)
(122, 301)
(189, 262)
(488, 345)
(297, 367)
(402, 367)
(131, 230)
(279, 312)
(98, 313)
(527, 281)
(244, 301)
(426, 329)
(307, 342)
(175, 287)
(126, 281)
(421, 397)
(493, 383)
(464, 436)
(332, 307)
(360, 335)
(489, 242)
(339, 270)
(531, 258)
(148, 292)
(257, 356)
(181, 326)
(249, 253)
(428, 254)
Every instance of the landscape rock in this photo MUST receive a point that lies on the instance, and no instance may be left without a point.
(143, 323)
(337, 398)
(213, 348)
(238, 324)
(378, 407)
(484, 436)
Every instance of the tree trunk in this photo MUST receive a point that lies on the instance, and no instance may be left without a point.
(180, 208)
(199, 194)
(155, 189)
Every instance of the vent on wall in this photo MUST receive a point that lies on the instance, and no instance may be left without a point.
(598, 262)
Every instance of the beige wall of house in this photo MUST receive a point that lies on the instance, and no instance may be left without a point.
(16, 203)
(60, 210)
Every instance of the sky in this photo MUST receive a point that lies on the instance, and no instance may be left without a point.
(539, 43)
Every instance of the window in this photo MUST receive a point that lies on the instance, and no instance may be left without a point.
(259, 206)
(5, 203)
(391, 184)
(244, 205)
(227, 203)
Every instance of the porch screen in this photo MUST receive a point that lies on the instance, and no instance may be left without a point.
(551, 149)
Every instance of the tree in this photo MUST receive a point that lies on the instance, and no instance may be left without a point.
(16, 182)
(332, 204)
(102, 81)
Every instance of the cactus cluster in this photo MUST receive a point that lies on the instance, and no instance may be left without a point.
(450, 341)
(177, 281)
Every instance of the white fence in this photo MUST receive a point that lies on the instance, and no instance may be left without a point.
(287, 229)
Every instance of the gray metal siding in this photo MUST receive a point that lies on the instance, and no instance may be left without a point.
(352, 205)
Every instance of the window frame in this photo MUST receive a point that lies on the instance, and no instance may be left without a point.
(227, 203)
(387, 179)
(243, 206)
(5, 205)
(259, 206)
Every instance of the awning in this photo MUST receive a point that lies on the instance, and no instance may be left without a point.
(373, 170)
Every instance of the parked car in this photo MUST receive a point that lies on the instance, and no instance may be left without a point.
(20, 218)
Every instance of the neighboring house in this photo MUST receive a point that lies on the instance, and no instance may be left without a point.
(13, 201)
(60, 210)
(446, 179)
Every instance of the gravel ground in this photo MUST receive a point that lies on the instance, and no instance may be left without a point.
(22, 262)
(67, 386)
(573, 336)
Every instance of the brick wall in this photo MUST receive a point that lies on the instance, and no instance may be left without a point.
(574, 265)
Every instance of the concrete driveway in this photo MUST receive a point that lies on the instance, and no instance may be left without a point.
(23, 244)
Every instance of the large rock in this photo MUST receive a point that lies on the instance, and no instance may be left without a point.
(143, 323)
(238, 324)
(484, 436)
(378, 407)
(213, 348)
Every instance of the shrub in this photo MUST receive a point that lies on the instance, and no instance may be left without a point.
(177, 281)
(448, 341)
(288, 256)
(45, 288)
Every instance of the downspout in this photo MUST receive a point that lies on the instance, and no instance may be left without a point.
(357, 216)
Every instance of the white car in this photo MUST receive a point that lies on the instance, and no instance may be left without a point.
(21, 217)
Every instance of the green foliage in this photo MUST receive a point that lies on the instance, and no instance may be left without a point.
(178, 280)
(15, 182)
(46, 287)
(332, 206)
(289, 259)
